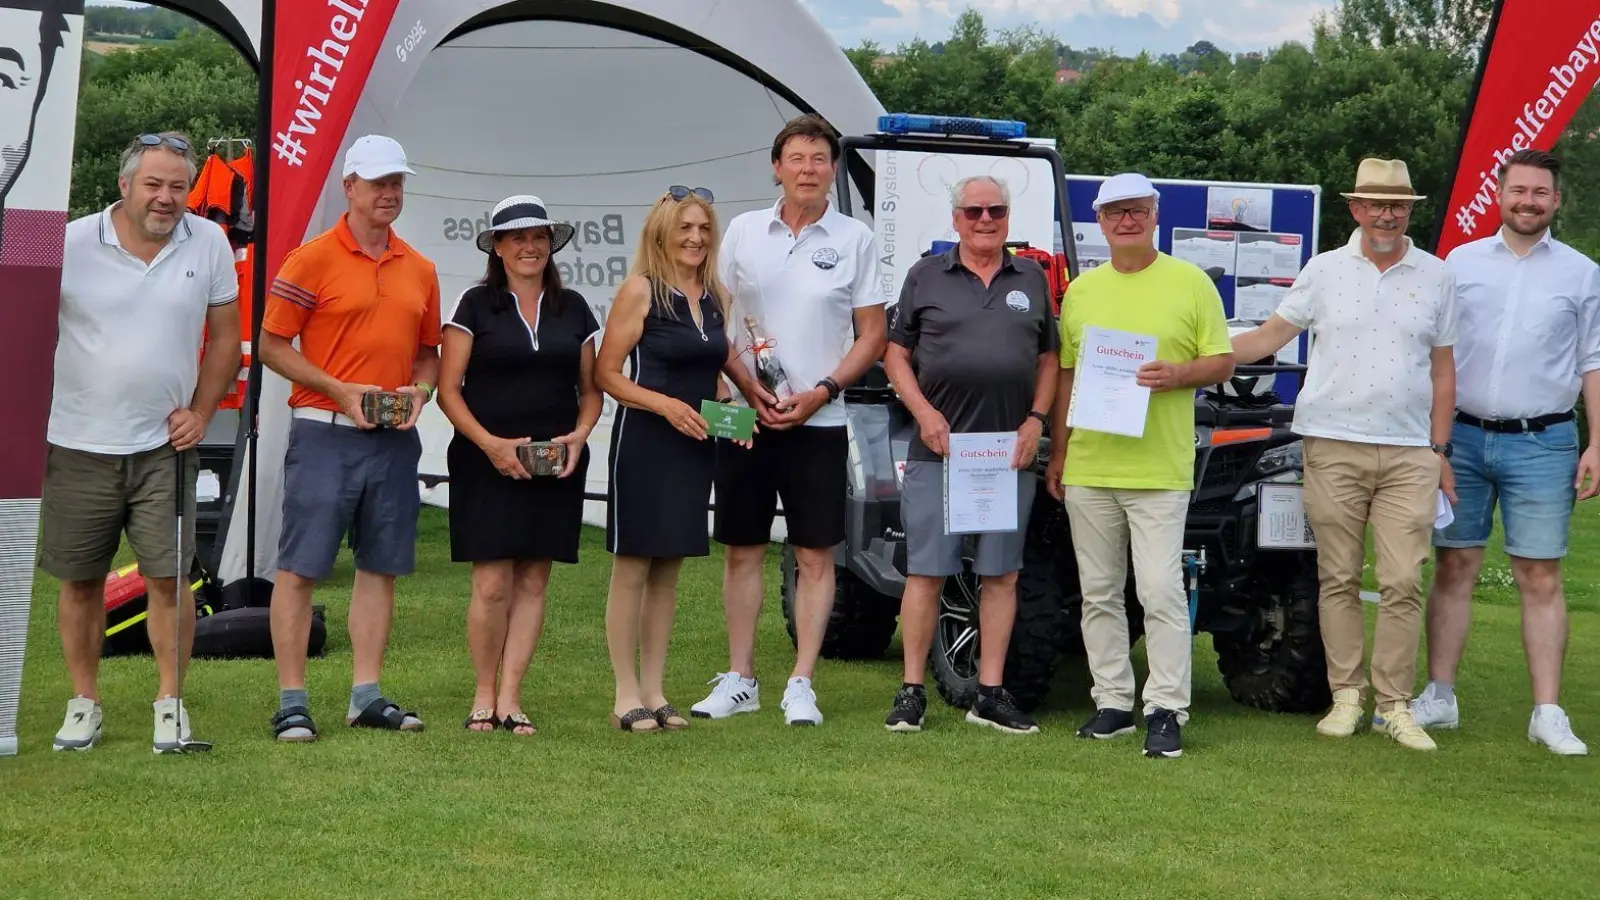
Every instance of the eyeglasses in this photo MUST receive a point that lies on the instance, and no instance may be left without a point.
(1396, 208)
(156, 140)
(974, 213)
(1136, 213)
(679, 192)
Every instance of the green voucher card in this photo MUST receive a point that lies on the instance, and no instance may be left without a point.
(725, 420)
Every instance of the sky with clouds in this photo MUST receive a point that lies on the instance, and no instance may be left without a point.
(1126, 26)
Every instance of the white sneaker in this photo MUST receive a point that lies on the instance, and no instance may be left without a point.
(172, 728)
(1432, 711)
(731, 695)
(1549, 726)
(800, 703)
(82, 725)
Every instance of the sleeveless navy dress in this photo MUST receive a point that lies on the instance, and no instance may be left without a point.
(660, 479)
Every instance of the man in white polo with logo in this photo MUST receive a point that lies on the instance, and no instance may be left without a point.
(806, 273)
(141, 282)
(1375, 415)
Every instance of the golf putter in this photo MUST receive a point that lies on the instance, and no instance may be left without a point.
(184, 746)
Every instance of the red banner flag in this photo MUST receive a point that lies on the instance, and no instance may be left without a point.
(322, 54)
(1540, 60)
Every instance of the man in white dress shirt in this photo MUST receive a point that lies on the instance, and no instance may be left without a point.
(1529, 310)
(1375, 415)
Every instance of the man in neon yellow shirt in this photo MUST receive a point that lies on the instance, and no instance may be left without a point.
(1118, 488)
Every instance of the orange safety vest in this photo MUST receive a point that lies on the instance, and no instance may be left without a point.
(223, 192)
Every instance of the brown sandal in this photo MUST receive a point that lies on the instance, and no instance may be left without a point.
(668, 718)
(632, 717)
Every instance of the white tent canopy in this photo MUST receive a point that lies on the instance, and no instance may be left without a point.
(596, 107)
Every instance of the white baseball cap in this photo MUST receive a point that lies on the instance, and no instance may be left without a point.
(1127, 186)
(374, 156)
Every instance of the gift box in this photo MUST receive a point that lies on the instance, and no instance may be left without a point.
(386, 409)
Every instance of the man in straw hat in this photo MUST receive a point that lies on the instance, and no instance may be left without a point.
(1375, 414)
(365, 307)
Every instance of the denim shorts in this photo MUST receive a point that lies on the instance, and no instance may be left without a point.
(340, 480)
(1529, 475)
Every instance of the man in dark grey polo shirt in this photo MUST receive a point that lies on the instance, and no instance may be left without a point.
(972, 349)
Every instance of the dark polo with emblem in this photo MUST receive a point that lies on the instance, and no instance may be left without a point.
(975, 349)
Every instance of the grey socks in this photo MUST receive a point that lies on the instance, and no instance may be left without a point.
(293, 697)
(361, 696)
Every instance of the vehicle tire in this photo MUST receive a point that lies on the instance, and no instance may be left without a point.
(1037, 632)
(862, 623)
(1278, 665)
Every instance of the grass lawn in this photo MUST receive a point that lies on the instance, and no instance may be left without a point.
(1258, 807)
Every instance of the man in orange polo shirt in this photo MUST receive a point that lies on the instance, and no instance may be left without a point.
(365, 306)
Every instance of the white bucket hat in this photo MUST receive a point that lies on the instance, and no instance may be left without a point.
(523, 211)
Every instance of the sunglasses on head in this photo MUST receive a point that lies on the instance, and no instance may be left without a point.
(974, 213)
(156, 140)
(679, 192)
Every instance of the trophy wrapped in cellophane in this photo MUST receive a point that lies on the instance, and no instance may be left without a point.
(543, 458)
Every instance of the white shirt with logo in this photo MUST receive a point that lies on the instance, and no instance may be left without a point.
(1530, 327)
(1369, 376)
(803, 290)
(128, 354)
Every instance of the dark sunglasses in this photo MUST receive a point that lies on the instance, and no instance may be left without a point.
(679, 192)
(156, 140)
(974, 213)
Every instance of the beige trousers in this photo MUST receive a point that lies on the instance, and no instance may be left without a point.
(1348, 486)
(1105, 521)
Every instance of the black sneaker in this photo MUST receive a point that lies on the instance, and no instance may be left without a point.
(1161, 737)
(910, 703)
(999, 711)
(1107, 723)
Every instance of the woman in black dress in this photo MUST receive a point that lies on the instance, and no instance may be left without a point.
(661, 457)
(517, 367)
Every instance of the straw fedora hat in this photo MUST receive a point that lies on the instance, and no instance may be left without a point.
(1383, 179)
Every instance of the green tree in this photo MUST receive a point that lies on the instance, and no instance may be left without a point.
(1456, 26)
(199, 85)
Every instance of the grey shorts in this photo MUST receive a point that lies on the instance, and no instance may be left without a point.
(339, 479)
(929, 551)
(89, 499)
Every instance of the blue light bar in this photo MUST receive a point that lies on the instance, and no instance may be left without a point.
(908, 123)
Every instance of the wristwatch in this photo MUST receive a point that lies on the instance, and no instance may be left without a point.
(1443, 449)
(1043, 419)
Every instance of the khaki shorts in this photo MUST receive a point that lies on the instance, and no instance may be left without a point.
(89, 499)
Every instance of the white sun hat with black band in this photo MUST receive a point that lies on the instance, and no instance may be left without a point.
(523, 211)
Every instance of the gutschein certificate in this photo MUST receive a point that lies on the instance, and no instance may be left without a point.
(1106, 394)
(980, 487)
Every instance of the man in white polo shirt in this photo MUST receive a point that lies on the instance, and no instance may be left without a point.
(1530, 340)
(142, 282)
(806, 274)
(1375, 414)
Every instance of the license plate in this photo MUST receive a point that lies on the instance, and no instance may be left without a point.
(1281, 518)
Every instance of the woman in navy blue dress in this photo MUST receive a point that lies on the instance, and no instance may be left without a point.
(517, 366)
(667, 324)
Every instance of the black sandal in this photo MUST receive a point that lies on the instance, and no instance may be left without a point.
(291, 718)
(382, 713)
(482, 717)
(633, 717)
(518, 720)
